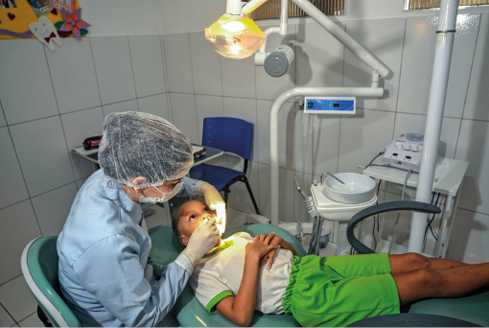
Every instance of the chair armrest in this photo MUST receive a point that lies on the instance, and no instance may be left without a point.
(381, 208)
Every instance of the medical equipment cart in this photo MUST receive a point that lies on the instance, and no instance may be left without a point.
(449, 174)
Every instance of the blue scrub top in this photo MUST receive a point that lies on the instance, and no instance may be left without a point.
(105, 272)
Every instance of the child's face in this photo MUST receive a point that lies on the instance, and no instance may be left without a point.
(192, 215)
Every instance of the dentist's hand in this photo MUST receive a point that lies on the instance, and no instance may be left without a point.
(220, 209)
(214, 200)
(202, 241)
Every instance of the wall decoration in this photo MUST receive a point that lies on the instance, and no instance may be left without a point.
(73, 23)
(16, 17)
(40, 7)
(68, 5)
(45, 32)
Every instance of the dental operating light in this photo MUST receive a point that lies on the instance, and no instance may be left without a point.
(235, 37)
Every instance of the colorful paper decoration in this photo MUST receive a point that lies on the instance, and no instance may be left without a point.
(68, 5)
(15, 19)
(73, 23)
(45, 32)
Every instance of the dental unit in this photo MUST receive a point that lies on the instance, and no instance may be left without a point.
(235, 36)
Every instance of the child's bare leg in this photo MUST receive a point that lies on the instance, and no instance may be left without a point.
(454, 282)
(412, 261)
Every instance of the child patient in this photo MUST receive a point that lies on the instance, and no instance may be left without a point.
(318, 291)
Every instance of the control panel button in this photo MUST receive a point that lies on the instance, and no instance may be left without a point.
(406, 146)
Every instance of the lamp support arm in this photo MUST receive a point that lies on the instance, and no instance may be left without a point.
(252, 5)
(343, 37)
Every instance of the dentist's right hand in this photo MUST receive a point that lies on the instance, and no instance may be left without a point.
(202, 241)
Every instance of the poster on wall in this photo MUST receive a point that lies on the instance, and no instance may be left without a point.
(46, 20)
(40, 7)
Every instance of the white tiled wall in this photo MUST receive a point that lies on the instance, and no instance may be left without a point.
(49, 102)
(385, 38)
(73, 74)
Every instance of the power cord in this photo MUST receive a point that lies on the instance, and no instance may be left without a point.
(399, 213)
(377, 218)
(373, 159)
(430, 221)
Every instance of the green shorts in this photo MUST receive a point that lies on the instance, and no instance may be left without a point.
(337, 291)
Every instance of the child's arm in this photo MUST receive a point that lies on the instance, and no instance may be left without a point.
(239, 309)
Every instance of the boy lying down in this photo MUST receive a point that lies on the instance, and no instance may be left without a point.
(318, 291)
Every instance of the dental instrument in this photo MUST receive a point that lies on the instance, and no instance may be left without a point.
(317, 225)
(335, 177)
(220, 217)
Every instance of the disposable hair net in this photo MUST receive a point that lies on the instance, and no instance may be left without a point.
(138, 144)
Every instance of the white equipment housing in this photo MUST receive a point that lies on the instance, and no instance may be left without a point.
(405, 152)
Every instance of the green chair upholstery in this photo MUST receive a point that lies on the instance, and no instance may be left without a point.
(189, 311)
(39, 264)
(473, 308)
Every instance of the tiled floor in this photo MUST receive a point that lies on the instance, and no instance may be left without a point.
(18, 306)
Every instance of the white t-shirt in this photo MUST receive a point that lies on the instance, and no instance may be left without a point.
(219, 275)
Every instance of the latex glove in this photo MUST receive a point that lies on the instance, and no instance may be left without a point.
(202, 241)
(214, 200)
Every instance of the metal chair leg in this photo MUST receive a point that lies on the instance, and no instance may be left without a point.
(226, 193)
(43, 317)
(250, 192)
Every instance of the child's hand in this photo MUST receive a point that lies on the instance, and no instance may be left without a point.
(261, 246)
(276, 240)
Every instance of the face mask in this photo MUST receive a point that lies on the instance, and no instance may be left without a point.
(165, 195)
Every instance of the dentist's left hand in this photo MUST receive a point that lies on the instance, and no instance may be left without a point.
(202, 241)
(214, 200)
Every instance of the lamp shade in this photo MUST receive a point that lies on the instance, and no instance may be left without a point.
(235, 37)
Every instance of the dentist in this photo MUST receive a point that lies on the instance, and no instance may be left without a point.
(105, 271)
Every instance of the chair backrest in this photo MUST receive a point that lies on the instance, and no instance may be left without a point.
(39, 264)
(382, 208)
(229, 134)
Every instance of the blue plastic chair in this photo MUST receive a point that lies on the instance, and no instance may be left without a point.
(232, 135)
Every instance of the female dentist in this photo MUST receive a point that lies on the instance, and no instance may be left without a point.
(105, 271)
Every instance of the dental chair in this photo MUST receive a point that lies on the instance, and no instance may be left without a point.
(189, 311)
(39, 264)
(470, 310)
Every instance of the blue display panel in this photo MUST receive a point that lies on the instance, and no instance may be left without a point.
(330, 105)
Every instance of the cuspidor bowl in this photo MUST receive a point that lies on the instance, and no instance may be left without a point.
(358, 188)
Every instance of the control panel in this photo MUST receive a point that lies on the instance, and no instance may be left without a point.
(405, 152)
(330, 105)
